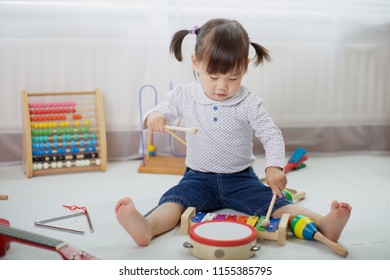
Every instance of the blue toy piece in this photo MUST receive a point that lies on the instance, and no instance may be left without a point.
(297, 155)
(296, 160)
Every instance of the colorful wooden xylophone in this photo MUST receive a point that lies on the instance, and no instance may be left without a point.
(62, 135)
(276, 230)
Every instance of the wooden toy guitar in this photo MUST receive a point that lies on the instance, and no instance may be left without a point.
(8, 234)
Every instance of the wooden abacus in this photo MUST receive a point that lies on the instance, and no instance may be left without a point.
(277, 230)
(63, 136)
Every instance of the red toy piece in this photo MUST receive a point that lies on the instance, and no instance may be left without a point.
(297, 158)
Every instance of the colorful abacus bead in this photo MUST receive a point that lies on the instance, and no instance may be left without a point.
(60, 136)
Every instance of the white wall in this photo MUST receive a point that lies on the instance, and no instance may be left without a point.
(331, 59)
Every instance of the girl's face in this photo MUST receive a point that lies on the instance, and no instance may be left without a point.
(217, 87)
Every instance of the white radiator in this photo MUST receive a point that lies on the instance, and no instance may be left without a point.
(312, 85)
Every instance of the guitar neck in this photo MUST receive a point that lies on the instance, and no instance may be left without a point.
(68, 253)
(31, 238)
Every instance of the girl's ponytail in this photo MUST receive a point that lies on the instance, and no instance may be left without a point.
(261, 53)
(177, 40)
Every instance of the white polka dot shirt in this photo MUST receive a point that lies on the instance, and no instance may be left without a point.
(223, 143)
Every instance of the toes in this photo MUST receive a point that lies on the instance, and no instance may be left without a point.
(335, 204)
(345, 205)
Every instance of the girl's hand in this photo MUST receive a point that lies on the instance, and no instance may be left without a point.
(156, 122)
(276, 179)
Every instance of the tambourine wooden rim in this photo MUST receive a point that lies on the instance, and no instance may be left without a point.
(222, 243)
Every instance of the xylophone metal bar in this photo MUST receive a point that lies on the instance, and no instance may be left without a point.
(209, 217)
(231, 217)
(242, 218)
(252, 221)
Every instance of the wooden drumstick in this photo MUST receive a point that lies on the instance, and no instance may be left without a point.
(176, 137)
(3, 197)
(191, 130)
(265, 222)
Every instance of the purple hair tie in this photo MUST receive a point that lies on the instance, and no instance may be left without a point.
(194, 28)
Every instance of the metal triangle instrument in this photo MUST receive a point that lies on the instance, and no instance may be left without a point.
(44, 223)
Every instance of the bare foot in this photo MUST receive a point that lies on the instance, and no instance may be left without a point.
(133, 221)
(333, 223)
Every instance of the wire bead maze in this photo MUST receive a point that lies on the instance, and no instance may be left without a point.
(63, 132)
(158, 163)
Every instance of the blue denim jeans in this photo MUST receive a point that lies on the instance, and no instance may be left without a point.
(209, 192)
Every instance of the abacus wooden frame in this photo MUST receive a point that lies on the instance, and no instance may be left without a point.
(27, 141)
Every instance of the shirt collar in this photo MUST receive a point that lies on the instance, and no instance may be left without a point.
(202, 98)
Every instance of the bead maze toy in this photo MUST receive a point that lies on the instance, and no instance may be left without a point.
(152, 162)
(63, 132)
(276, 230)
(303, 227)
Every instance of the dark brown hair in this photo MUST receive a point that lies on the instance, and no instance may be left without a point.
(222, 45)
